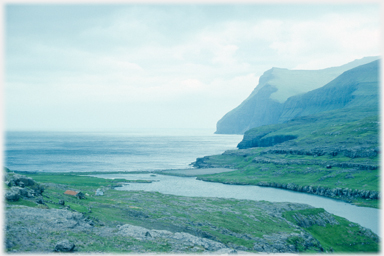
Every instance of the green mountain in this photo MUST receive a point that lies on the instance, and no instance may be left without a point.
(357, 87)
(355, 91)
(271, 102)
(328, 144)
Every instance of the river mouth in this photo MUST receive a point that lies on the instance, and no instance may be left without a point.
(191, 187)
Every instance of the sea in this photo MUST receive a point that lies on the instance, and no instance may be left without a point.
(134, 150)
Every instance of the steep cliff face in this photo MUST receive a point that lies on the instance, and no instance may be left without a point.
(256, 111)
(267, 103)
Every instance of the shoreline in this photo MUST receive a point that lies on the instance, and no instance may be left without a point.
(193, 172)
(341, 194)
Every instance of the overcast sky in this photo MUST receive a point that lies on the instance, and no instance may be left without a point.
(117, 67)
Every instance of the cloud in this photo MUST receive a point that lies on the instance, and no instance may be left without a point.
(332, 40)
(159, 58)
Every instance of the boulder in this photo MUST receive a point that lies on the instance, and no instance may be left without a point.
(64, 246)
(80, 195)
(13, 194)
(99, 192)
(183, 238)
(27, 192)
(39, 200)
(10, 183)
(37, 188)
(21, 180)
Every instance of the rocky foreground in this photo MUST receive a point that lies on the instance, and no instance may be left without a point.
(47, 220)
(47, 230)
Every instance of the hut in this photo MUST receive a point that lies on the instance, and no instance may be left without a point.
(77, 194)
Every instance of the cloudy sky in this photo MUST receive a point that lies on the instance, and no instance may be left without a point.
(99, 67)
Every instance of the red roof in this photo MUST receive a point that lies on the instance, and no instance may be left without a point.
(71, 192)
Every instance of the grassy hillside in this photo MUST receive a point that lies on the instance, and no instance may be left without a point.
(335, 150)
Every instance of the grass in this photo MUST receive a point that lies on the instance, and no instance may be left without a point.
(329, 132)
(227, 220)
(23, 203)
(345, 237)
(299, 175)
(312, 175)
(80, 179)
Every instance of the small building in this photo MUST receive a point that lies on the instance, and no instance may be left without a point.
(77, 194)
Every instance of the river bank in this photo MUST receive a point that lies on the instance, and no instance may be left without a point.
(143, 222)
(359, 197)
(192, 172)
(353, 196)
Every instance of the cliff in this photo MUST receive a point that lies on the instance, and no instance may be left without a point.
(271, 101)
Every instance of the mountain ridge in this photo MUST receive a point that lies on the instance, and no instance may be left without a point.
(265, 104)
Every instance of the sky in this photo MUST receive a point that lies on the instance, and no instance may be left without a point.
(102, 67)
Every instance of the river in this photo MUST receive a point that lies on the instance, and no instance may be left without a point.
(190, 186)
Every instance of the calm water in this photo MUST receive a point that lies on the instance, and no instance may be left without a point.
(183, 186)
(131, 151)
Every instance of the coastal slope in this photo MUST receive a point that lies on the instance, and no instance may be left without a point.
(328, 144)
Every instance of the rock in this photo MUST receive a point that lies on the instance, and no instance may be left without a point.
(31, 229)
(27, 192)
(64, 246)
(13, 194)
(40, 200)
(10, 183)
(80, 195)
(291, 186)
(320, 219)
(61, 202)
(20, 180)
(193, 240)
(183, 238)
(37, 188)
(99, 192)
(374, 195)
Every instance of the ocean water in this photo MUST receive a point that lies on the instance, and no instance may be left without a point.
(136, 150)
